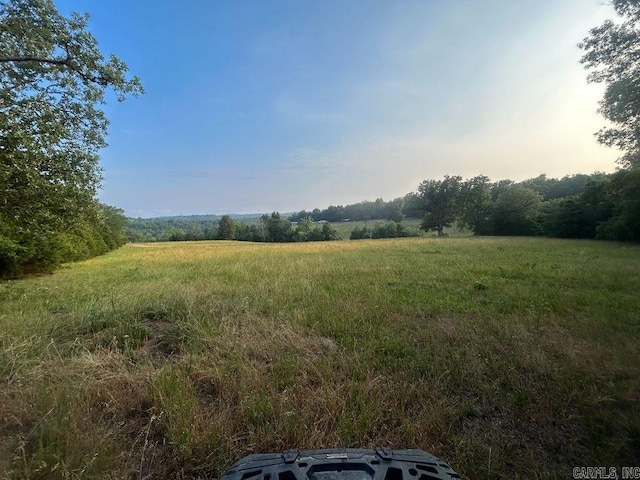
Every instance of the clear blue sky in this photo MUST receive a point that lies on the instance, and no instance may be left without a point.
(257, 106)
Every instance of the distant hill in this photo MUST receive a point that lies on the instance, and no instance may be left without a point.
(181, 227)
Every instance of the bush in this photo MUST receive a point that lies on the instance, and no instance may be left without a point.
(386, 230)
(360, 233)
(411, 232)
(10, 254)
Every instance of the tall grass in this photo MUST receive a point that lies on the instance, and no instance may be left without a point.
(509, 358)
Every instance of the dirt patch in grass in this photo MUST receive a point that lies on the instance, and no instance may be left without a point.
(207, 386)
(164, 343)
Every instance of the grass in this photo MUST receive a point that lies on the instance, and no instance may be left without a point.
(509, 358)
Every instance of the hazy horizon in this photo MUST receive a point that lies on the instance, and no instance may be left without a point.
(256, 214)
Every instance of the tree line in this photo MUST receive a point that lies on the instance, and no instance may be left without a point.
(366, 210)
(266, 228)
(580, 206)
(602, 206)
(53, 80)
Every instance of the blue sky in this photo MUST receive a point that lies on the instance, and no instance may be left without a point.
(258, 106)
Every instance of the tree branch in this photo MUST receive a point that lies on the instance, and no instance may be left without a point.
(51, 61)
(66, 62)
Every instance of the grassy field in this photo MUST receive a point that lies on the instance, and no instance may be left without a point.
(508, 358)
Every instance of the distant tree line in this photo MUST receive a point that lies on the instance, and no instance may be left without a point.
(602, 206)
(367, 210)
(275, 228)
(170, 229)
(267, 228)
(578, 206)
(388, 229)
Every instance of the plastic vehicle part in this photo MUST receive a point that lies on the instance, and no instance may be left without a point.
(341, 464)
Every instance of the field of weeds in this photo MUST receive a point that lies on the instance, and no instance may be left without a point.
(508, 358)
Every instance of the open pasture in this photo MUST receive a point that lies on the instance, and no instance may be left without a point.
(507, 357)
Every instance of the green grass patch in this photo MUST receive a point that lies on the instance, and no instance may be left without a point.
(175, 359)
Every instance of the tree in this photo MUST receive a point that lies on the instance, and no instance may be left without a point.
(394, 210)
(333, 213)
(413, 207)
(303, 230)
(328, 232)
(540, 184)
(389, 229)
(569, 217)
(52, 80)
(517, 212)
(112, 222)
(278, 228)
(621, 191)
(475, 204)
(193, 231)
(438, 198)
(570, 185)
(360, 233)
(226, 228)
(500, 186)
(611, 54)
(247, 233)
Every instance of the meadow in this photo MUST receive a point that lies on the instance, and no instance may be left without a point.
(507, 357)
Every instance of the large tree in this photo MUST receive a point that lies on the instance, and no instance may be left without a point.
(475, 204)
(621, 193)
(226, 228)
(278, 228)
(53, 80)
(612, 54)
(517, 212)
(439, 202)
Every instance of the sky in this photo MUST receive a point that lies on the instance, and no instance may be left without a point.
(254, 106)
